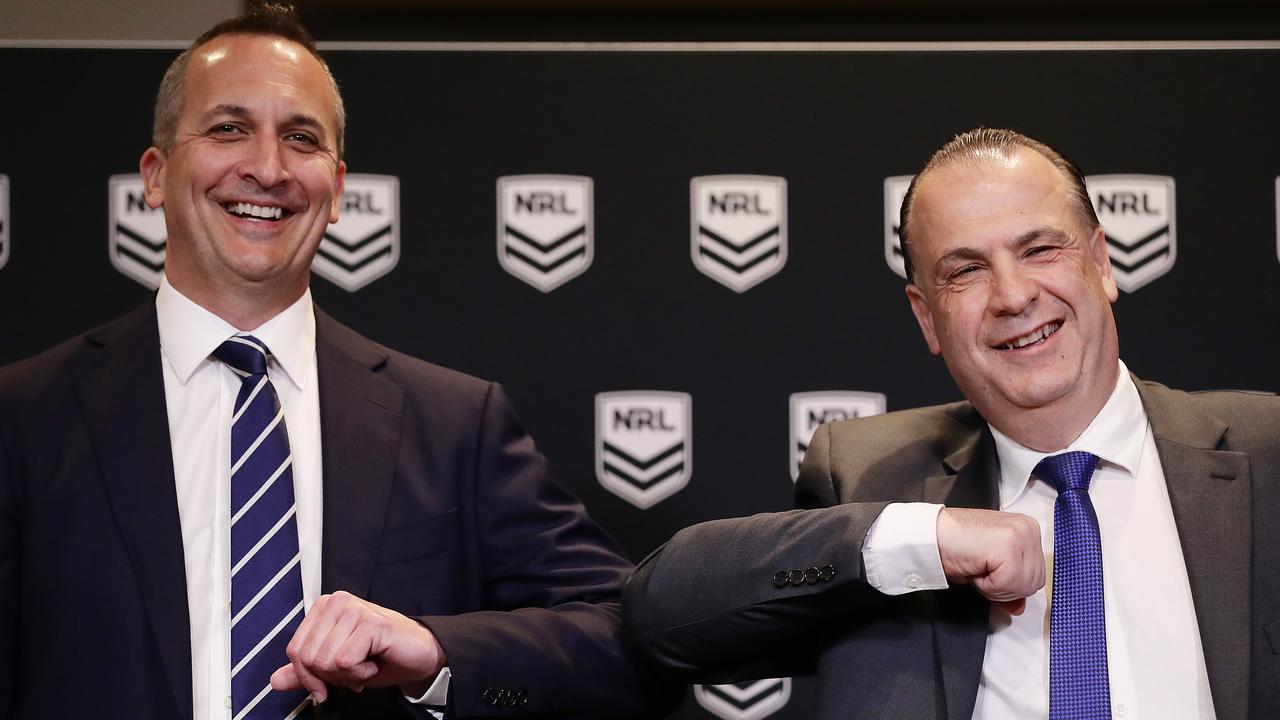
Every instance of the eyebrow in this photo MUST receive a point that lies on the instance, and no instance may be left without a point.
(964, 254)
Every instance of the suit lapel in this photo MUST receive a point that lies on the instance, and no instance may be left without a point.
(360, 421)
(961, 615)
(1209, 491)
(122, 396)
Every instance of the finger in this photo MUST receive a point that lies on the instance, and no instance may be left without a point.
(354, 656)
(285, 678)
(1013, 607)
(326, 660)
(304, 675)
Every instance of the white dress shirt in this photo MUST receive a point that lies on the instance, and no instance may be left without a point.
(200, 393)
(1154, 657)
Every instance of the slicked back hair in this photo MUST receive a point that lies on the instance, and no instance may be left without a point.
(976, 145)
(268, 20)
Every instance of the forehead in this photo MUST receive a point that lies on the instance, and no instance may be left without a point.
(995, 196)
(259, 73)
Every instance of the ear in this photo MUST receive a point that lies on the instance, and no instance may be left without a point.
(339, 182)
(924, 316)
(1101, 258)
(152, 168)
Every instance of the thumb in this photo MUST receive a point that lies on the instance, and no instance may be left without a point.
(286, 678)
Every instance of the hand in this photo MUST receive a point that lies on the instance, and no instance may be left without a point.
(999, 553)
(353, 643)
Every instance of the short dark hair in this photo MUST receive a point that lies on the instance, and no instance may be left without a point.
(971, 146)
(269, 19)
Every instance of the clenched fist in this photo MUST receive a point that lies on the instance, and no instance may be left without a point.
(999, 553)
(353, 643)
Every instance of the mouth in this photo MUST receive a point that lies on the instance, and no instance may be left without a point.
(1035, 337)
(260, 213)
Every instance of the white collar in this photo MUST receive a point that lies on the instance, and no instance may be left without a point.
(1115, 435)
(189, 334)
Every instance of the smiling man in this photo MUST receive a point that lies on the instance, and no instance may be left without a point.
(226, 505)
(1069, 542)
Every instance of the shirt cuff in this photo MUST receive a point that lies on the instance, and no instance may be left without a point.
(436, 696)
(901, 549)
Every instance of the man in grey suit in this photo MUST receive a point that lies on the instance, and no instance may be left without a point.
(912, 580)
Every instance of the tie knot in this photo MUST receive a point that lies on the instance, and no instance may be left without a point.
(244, 353)
(1068, 471)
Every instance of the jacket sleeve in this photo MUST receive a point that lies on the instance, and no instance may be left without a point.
(550, 641)
(731, 600)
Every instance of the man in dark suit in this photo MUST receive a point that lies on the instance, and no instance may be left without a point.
(912, 578)
(177, 485)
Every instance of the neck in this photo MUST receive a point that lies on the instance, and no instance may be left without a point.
(1052, 427)
(244, 308)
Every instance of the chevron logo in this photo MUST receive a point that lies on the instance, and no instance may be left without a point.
(809, 410)
(136, 235)
(644, 445)
(364, 244)
(545, 228)
(895, 191)
(1138, 217)
(738, 228)
(4, 220)
(751, 700)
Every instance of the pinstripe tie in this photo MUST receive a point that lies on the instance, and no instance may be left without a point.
(266, 570)
(1079, 687)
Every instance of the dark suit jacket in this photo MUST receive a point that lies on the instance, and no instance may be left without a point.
(920, 655)
(436, 504)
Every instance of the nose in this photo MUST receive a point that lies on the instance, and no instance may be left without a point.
(1013, 290)
(264, 163)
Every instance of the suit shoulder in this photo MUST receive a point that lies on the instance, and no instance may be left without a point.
(1249, 418)
(937, 430)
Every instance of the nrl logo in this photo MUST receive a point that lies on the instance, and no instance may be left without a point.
(644, 444)
(137, 238)
(751, 700)
(739, 228)
(545, 228)
(809, 410)
(895, 191)
(1137, 215)
(364, 244)
(4, 220)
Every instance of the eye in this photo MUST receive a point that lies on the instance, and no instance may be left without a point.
(303, 139)
(225, 129)
(960, 273)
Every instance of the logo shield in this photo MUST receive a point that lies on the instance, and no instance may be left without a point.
(137, 239)
(895, 191)
(739, 228)
(364, 244)
(545, 228)
(4, 220)
(809, 410)
(1137, 215)
(644, 444)
(751, 700)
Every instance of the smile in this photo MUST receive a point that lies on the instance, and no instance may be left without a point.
(257, 212)
(1035, 336)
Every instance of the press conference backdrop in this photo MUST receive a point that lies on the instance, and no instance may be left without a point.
(680, 259)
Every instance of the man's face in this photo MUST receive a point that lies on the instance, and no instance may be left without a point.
(1012, 289)
(253, 177)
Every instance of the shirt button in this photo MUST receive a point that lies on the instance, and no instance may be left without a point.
(914, 581)
(227, 702)
(1120, 710)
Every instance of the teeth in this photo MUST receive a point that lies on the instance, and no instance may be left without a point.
(258, 211)
(1035, 336)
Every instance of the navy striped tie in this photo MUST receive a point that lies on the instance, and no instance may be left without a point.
(1079, 687)
(266, 569)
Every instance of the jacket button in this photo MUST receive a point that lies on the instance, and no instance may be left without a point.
(827, 573)
(811, 576)
(490, 697)
(522, 697)
(780, 579)
(797, 577)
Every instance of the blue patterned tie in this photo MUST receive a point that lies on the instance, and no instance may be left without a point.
(266, 569)
(1078, 683)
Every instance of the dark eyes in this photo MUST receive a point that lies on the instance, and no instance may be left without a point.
(298, 138)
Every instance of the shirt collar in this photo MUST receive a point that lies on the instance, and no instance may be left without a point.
(1116, 435)
(189, 334)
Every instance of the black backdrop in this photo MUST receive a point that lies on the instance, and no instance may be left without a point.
(834, 120)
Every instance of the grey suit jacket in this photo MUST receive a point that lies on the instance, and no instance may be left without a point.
(706, 605)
